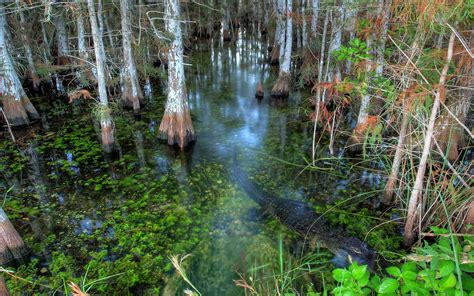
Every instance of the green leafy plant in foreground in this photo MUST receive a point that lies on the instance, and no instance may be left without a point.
(355, 51)
(443, 268)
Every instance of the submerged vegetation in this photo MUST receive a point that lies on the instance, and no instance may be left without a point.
(274, 147)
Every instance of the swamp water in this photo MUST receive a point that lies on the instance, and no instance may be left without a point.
(89, 218)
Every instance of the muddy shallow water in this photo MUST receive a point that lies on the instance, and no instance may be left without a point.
(79, 211)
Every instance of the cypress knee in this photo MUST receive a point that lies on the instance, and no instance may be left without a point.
(259, 94)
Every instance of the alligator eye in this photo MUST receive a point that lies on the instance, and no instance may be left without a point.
(355, 250)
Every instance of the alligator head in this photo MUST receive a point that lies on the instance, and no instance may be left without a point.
(354, 250)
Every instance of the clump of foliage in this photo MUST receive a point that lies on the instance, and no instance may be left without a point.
(444, 267)
(356, 51)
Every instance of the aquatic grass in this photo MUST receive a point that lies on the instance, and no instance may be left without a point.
(284, 274)
(177, 262)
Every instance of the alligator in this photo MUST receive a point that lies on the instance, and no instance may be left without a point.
(311, 226)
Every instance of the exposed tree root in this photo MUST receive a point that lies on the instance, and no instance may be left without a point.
(19, 112)
(177, 129)
(12, 245)
(131, 101)
(281, 89)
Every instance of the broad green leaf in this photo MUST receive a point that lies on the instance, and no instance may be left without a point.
(410, 285)
(411, 266)
(467, 282)
(427, 274)
(388, 286)
(394, 271)
(409, 275)
(375, 282)
(364, 280)
(448, 282)
(445, 268)
(342, 291)
(359, 271)
(341, 275)
(469, 267)
(437, 230)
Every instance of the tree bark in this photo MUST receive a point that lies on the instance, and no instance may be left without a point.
(397, 159)
(304, 31)
(314, 19)
(3, 287)
(285, 67)
(176, 126)
(29, 53)
(413, 205)
(279, 33)
(384, 9)
(365, 101)
(12, 245)
(225, 23)
(16, 105)
(85, 74)
(132, 93)
(282, 37)
(106, 122)
(281, 89)
(336, 41)
(62, 38)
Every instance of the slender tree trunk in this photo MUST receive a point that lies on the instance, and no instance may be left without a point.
(266, 10)
(27, 46)
(385, 11)
(282, 37)
(414, 206)
(81, 33)
(16, 105)
(281, 89)
(225, 22)
(62, 38)
(397, 159)
(279, 33)
(336, 41)
(106, 122)
(289, 39)
(110, 35)
(101, 27)
(319, 94)
(349, 26)
(315, 18)
(46, 46)
(132, 93)
(176, 126)
(304, 31)
(85, 75)
(365, 101)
